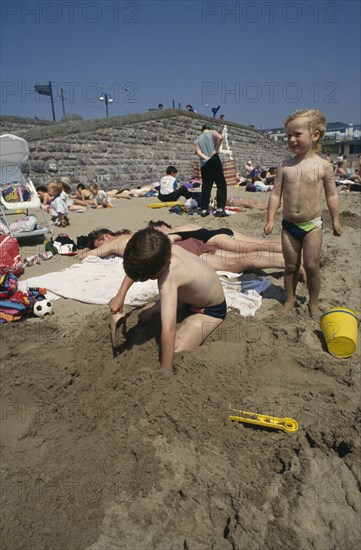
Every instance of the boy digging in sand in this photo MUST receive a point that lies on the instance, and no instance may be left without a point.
(300, 180)
(183, 281)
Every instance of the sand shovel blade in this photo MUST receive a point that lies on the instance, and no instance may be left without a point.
(115, 320)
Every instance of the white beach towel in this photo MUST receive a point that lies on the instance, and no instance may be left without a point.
(97, 280)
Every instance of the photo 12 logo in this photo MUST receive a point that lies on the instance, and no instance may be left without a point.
(270, 92)
(70, 12)
(270, 12)
(71, 92)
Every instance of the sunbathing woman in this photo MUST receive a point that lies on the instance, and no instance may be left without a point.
(104, 242)
(224, 238)
(82, 195)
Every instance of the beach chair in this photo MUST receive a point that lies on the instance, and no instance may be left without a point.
(17, 192)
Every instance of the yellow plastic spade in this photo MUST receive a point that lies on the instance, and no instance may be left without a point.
(167, 204)
(286, 424)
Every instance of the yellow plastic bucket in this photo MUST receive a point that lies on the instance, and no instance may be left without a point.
(339, 327)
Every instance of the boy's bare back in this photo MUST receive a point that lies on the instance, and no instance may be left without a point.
(193, 281)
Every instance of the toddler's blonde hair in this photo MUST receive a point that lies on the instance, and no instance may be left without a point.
(316, 121)
(56, 185)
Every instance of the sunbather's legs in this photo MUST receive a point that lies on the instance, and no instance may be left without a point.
(245, 246)
(246, 238)
(229, 261)
(80, 202)
(247, 203)
(142, 191)
(119, 194)
(77, 208)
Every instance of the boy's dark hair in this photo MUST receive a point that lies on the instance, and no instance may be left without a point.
(42, 188)
(95, 235)
(80, 186)
(158, 223)
(146, 254)
(171, 170)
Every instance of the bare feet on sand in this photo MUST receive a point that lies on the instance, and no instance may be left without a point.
(286, 309)
(314, 310)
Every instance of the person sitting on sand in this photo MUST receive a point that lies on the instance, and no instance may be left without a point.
(356, 178)
(82, 195)
(342, 170)
(251, 170)
(183, 282)
(58, 209)
(300, 180)
(98, 197)
(170, 190)
(270, 175)
(71, 204)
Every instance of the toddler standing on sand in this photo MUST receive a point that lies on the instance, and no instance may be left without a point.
(300, 180)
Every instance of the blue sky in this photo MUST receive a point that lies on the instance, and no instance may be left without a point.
(258, 60)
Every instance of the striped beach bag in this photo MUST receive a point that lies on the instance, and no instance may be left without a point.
(229, 170)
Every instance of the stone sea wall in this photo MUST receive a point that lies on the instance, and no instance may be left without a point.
(130, 150)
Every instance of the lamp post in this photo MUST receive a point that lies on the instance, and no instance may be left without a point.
(107, 98)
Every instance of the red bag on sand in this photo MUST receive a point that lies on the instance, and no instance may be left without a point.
(10, 259)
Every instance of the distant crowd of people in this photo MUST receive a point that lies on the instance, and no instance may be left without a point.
(344, 169)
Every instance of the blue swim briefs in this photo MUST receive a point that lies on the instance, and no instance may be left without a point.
(219, 312)
(299, 230)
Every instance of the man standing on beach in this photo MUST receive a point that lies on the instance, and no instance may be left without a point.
(207, 146)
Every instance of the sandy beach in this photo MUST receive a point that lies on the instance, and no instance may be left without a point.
(104, 453)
